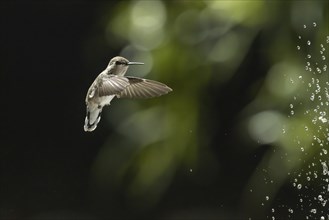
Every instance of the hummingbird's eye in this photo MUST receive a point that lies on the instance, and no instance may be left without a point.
(119, 63)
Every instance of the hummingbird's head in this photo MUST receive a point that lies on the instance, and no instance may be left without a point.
(119, 65)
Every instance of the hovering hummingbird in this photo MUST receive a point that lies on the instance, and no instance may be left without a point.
(112, 83)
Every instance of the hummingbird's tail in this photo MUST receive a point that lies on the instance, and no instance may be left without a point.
(92, 118)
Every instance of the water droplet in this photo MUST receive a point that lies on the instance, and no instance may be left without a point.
(323, 119)
(308, 42)
(291, 105)
(323, 57)
(313, 211)
(191, 170)
(302, 149)
(325, 168)
(312, 97)
(314, 24)
(308, 178)
(298, 47)
(291, 210)
(292, 112)
(309, 56)
(299, 186)
(267, 197)
(304, 26)
(306, 128)
(299, 37)
(320, 198)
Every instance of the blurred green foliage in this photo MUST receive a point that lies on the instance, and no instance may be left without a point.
(196, 45)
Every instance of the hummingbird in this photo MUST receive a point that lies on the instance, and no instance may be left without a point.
(111, 83)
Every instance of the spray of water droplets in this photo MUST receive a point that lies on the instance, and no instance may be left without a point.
(311, 181)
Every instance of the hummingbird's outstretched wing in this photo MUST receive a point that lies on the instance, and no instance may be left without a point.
(107, 85)
(143, 88)
(126, 87)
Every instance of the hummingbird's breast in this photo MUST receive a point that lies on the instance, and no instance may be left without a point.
(105, 100)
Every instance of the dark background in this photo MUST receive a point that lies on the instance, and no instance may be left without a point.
(45, 154)
(46, 158)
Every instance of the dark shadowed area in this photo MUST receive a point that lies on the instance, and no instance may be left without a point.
(227, 143)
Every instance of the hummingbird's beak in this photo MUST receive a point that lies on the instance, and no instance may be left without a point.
(135, 63)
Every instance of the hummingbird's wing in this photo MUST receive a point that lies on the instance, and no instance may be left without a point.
(143, 88)
(107, 85)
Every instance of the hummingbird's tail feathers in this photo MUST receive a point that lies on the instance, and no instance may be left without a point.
(92, 118)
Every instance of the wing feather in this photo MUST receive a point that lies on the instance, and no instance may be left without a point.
(143, 88)
(126, 87)
(106, 85)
